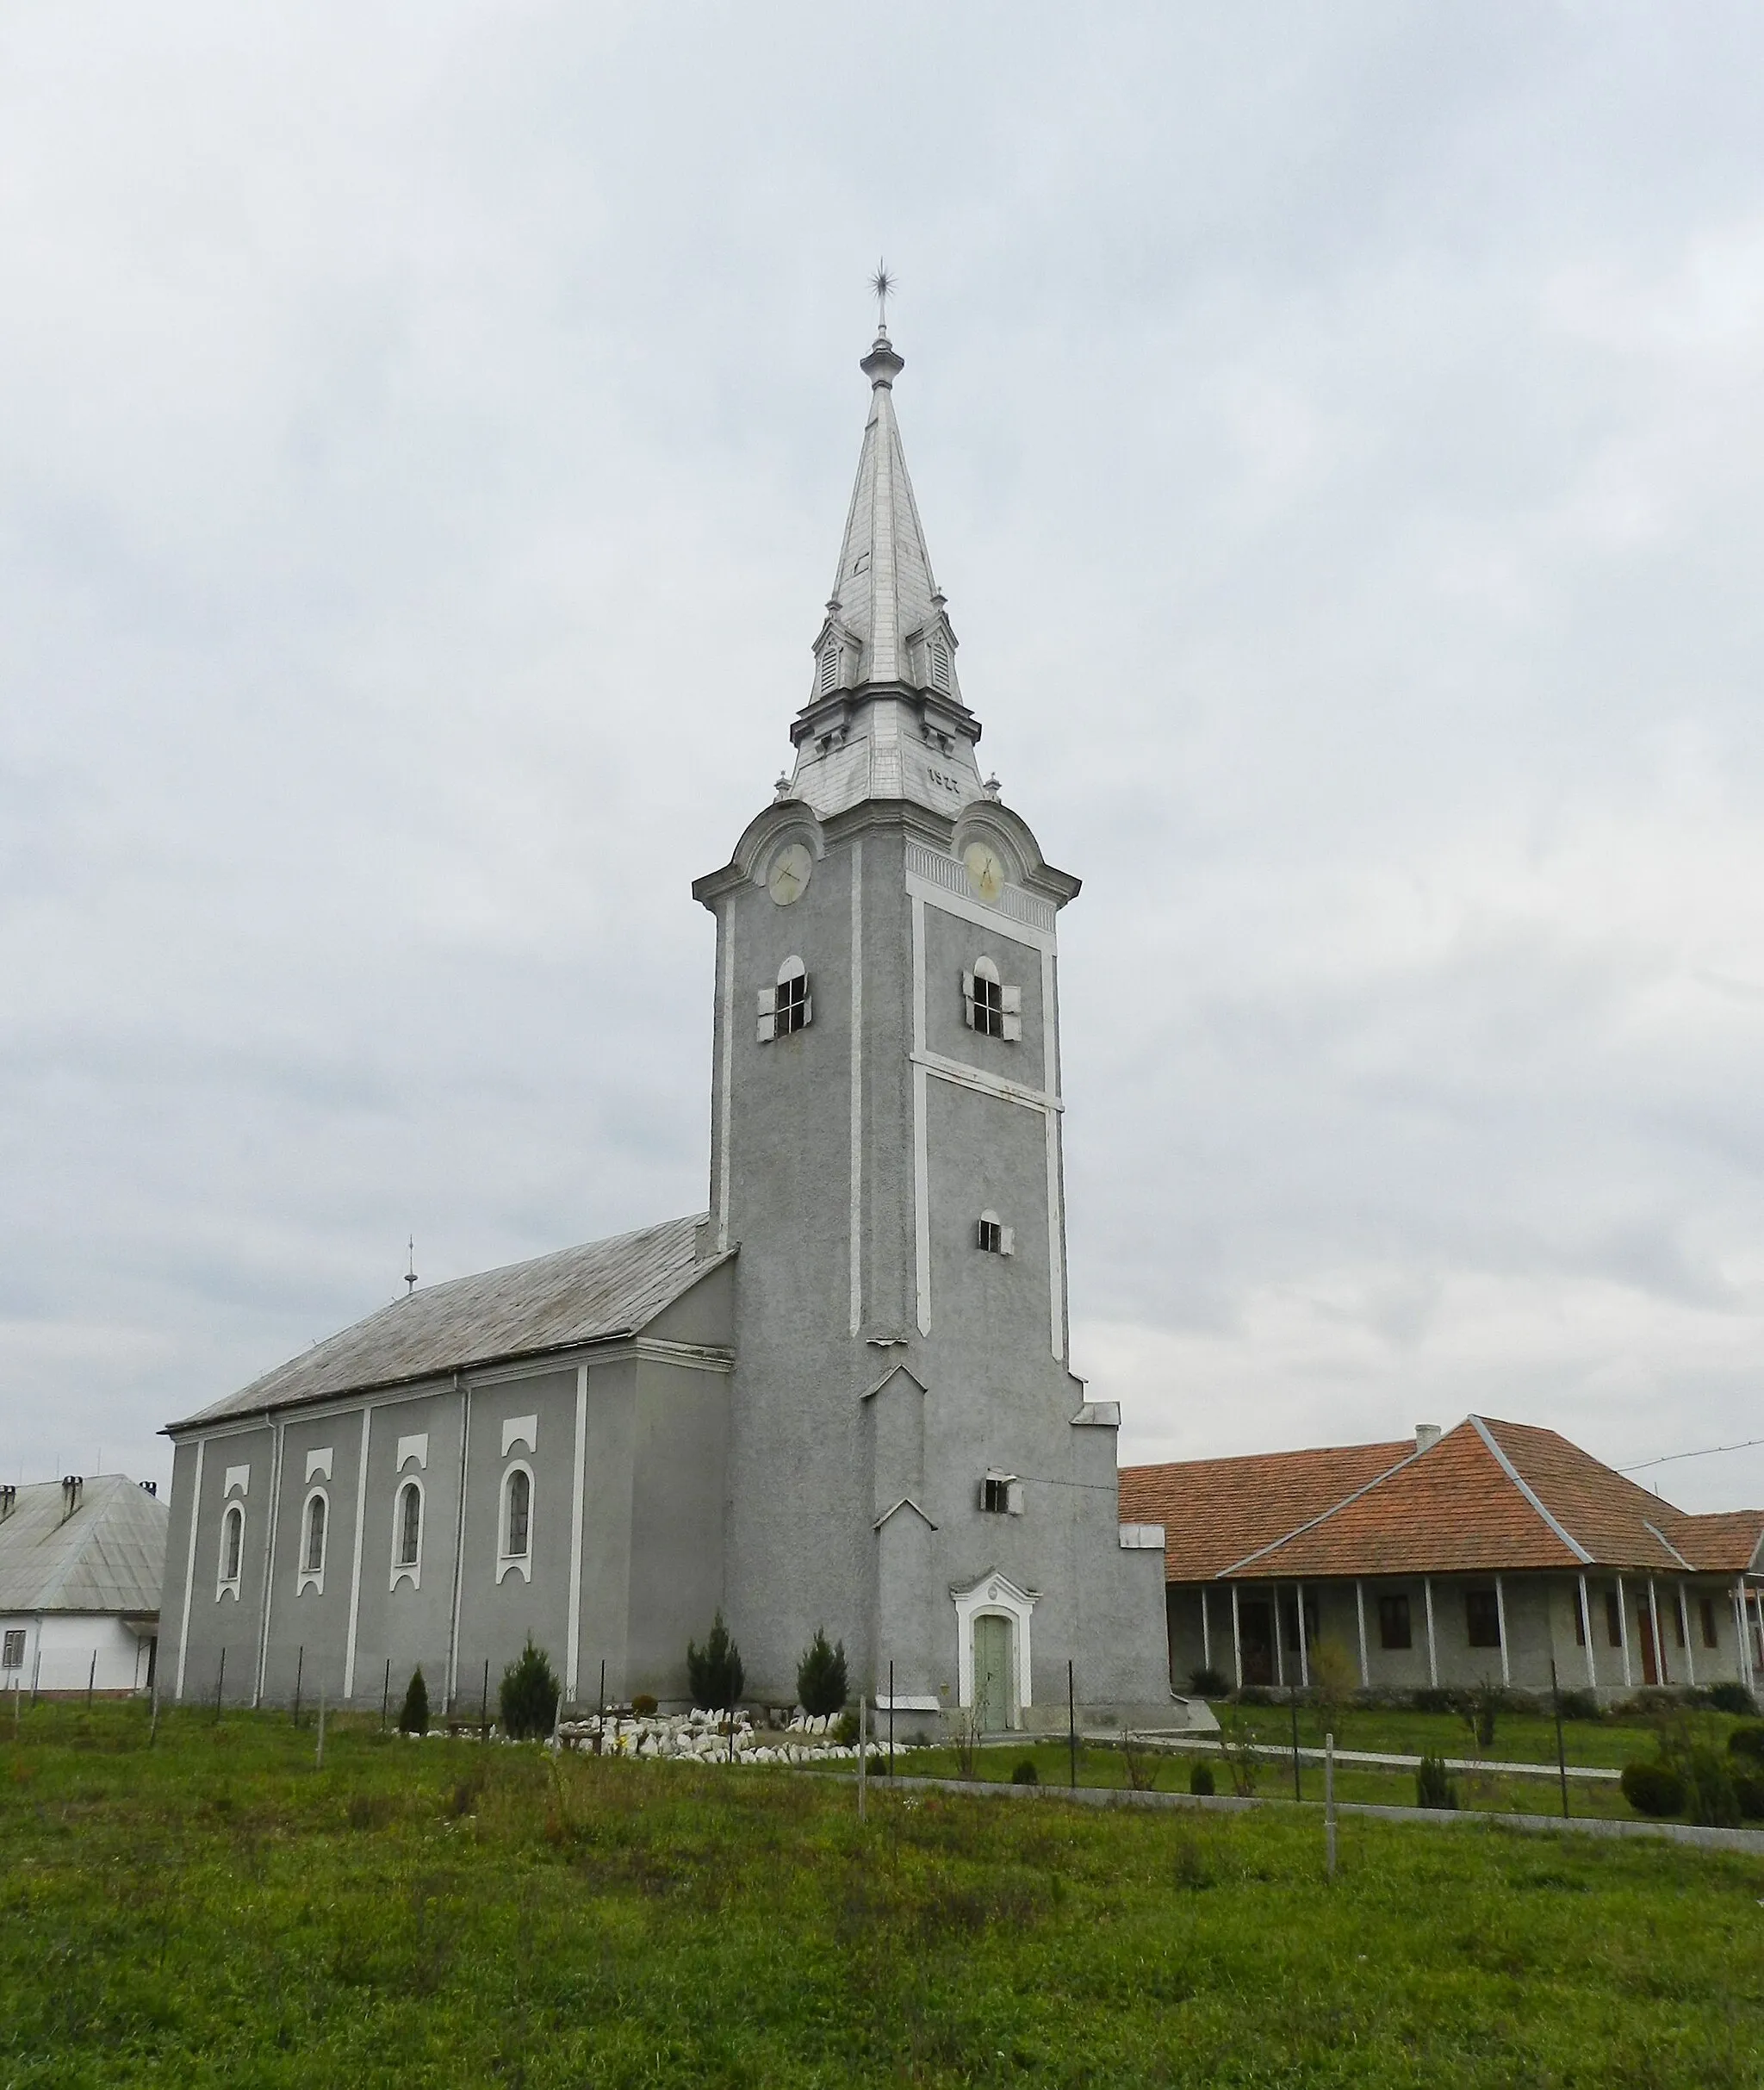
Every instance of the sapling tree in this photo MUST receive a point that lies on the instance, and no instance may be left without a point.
(715, 1671)
(413, 1714)
(820, 1685)
(529, 1694)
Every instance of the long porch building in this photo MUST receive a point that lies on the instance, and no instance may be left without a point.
(1492, 1552)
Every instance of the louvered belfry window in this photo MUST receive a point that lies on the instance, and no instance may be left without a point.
(788, 1005)
(830, 669)
(988, 1006)
(939, 664)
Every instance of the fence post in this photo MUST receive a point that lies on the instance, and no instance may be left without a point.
(1329, 1803)
(1560, 1748)
(1298, 1790)
(154, 1724)
(219, 1685)
(1072, 1724)
(863, 1746)
(891, 1722)
(600, 1711)
(300, 1664)
(386, 1694)
(91, 1678)
(321, 1728)
(484, 1710)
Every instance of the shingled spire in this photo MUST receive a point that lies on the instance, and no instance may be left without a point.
(885, 717)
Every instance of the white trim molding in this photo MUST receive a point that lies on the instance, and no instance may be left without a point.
(519, 1429)
(998, 1596)
(408, 1570)
(307, 1576)
(506, 1563)
(417, 1447)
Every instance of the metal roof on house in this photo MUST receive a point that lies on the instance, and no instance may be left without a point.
(591, 1294)
(107, 1553)
(1487, 1496)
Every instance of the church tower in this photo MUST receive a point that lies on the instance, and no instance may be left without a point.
(911, 1463)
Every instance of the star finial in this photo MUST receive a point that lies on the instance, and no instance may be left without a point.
(882, 283)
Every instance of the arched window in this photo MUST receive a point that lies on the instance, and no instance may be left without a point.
(409, 1524)
(231, 1548)
(988, 1006)
(313, 1553)
(517, 1544)
(994, 1237)
(791, 1007)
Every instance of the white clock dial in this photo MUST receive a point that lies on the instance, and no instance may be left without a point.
(791, 868)
(985, 871)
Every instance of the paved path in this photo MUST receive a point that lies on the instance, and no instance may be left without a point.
(1376, 1759)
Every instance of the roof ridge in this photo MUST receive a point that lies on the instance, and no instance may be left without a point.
(1310, 1523)
(1531, 1494)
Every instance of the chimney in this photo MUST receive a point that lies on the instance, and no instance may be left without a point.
(72, 1487)
(150, 1487)
(1426, 1436)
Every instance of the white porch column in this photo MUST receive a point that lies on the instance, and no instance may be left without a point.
(1744, 1625)
(1662, 1673)
(1279, 1639)
(1360, 1609)
(1432, 1648)
(1684, 1621)
(1206, 1630)
(1501, 1626)
(1236, 1640)
(1298, 1598)
(1587, 1629)
(1623, 1635)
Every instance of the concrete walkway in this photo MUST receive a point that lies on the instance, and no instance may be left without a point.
(1374, 1758)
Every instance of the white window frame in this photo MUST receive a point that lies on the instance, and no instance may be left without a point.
(226, 1584)
(12, 1645)
(305, 1576)
(1008, 1487)
(978, 1010)
(507, 1563)
(998, 1595)
(992, 1236)
(773, 1005)
(409, 1571)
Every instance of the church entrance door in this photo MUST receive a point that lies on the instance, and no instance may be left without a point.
(993, 1696)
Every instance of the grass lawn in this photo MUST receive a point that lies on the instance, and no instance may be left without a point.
(219, 1910)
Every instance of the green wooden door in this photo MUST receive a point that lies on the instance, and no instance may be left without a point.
(992, 1680)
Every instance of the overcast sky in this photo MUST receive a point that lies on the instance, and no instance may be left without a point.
(425, 436)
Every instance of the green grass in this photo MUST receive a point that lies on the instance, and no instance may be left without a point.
(217, 1911)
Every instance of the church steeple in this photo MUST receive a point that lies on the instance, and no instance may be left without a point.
(884, 686)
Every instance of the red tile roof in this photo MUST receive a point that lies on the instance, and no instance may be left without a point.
(1488, 1497)
(1215, 1510)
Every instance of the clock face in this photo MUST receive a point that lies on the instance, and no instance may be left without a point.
(985, 871)
(791, 868)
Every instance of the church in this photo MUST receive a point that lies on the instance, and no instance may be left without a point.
(840, 1397)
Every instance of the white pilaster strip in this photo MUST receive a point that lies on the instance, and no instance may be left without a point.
(921, 1131)
(857, 1085)
(270, 1523)
(1056, 1245)
(573, 1667)
(189, 1564)
(361, 1535)
(725, 1080)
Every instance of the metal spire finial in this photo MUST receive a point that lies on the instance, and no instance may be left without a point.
(882, 283)
(410, 1274)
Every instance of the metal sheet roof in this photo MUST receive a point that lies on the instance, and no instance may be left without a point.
(108, 1555)
(590, 1294)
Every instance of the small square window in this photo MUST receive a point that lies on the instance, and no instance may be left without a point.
(1482, 1618)
(1395, 1628)
(993, 1237)
(13, 1655)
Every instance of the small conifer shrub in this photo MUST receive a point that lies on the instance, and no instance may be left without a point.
(413, 1714)
(1207, 1683)
(1747, 1742)
(1024, 1772)
(1732, 1698)
(528, 1699)
(821, 1685)
(643, 1705)
(1652, 1788)
(1433, 1785)
(1201, 1780)
(715, 1670)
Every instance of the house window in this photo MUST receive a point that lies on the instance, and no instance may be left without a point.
(1613, 1619)
(988, 1006)
(232, 1547)
(1482, 1618)
(12, 1656)
(1394, 1627)
(517, 1514)
(1002, 1494)
(994, 1238)
(788, 1006)
(1705, 1607)
(408, 1523)
(312, 1559)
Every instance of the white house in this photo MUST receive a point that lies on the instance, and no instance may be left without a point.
(81, 1562)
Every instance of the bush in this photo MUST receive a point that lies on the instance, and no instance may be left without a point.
(1579, 1705)
(1024, 1773)
(1731, 1698)
(1201, 1780)
(1748, 1796)
(413, 1714)
(643, 1705)
(1207, 1683)
(821, 1685)
(715, 1670)
(1652, 1788)
(846, 1733)
(1432, 1702)
(1433, 1786)
(1748, 1742)
(529, 1694)
(1479, 1708)
(1710, 1799)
